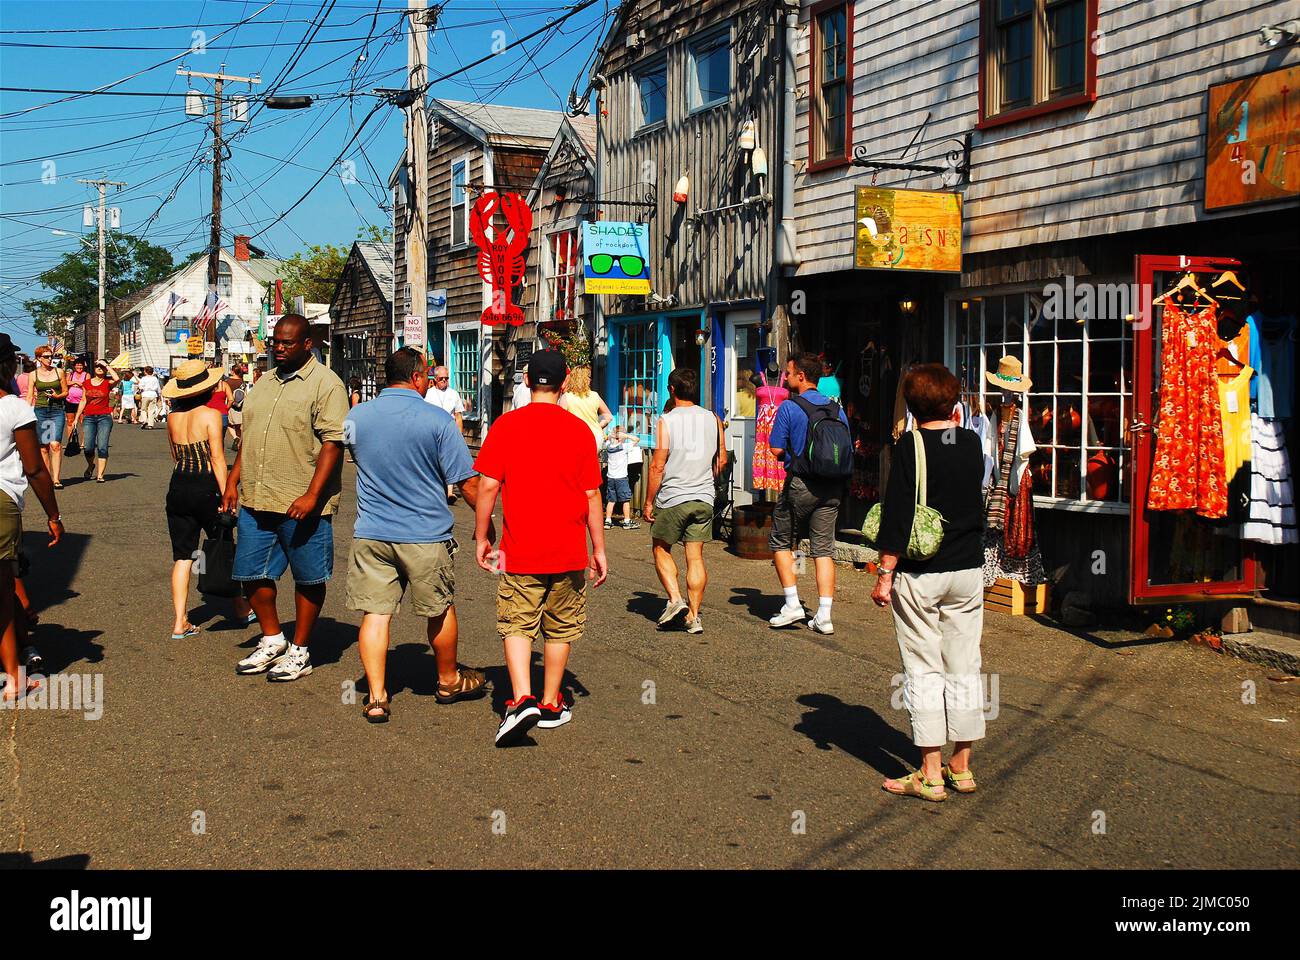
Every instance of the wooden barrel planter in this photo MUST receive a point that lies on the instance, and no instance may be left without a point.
(751, 528)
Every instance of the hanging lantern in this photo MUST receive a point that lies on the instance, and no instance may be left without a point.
(759, 162)
(747, 139)
(194, 104)
(682, 190)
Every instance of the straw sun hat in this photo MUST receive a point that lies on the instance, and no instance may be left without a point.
(1010, 376)
(190, 378)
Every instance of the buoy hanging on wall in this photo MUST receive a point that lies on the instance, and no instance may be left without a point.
(682, 190)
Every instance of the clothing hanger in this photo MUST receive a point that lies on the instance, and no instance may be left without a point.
(1188, 281)
(1228, 276)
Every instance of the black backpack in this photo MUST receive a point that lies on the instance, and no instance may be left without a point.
(827, 452)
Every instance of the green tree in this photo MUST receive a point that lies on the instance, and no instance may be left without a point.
(73, 283)
(313, 273)
(373, 234)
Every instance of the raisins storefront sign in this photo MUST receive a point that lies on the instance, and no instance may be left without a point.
(907, 230)
(615, 257)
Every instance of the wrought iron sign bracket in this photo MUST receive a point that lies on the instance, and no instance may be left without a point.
(650, 203)
(957, 162)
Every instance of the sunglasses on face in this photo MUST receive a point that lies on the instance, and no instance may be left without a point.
(602, 263)
(281, 343)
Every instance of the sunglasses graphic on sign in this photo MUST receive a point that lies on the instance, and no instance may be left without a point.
(630, 265)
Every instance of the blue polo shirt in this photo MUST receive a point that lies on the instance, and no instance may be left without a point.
(791, 424)
(407, 452)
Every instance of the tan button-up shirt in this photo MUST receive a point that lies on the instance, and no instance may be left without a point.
(286, 420)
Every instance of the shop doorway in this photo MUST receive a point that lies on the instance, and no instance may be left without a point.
(1174, 554)
(740, 401)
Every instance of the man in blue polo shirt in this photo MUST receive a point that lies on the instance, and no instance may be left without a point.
(806, 500)
(408, 453)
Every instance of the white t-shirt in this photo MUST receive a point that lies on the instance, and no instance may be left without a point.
(522, 396)
(618, 458)
(448, 399)
(14, 413)
(149, 386)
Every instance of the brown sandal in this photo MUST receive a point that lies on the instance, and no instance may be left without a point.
(381, 705)
(469, 684)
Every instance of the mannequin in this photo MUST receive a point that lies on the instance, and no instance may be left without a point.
(1010, 545)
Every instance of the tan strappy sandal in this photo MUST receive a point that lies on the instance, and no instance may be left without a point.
(963, 782)
(915, 785)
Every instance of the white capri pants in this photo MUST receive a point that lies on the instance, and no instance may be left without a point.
(938, 620)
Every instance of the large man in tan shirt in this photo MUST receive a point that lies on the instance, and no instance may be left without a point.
(285, 484)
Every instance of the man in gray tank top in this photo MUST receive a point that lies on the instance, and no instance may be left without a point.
(689, 454)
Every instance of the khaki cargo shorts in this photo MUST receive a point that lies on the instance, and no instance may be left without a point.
(552, 606)
(382, 572)
(11, 528)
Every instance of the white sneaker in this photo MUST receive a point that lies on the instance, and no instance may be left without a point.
(672, 610)
(695, 626)
(820, 625)
(260, 660)
(294, 664)
(788, 615)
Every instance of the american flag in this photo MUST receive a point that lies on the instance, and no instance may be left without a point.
(211, 308)
(173, 301)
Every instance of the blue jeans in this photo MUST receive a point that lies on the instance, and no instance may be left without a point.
(50, 422)
(94, 433)
(269, 543)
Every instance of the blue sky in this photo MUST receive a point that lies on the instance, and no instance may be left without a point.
(148, 141)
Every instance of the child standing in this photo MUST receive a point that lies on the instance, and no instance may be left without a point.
(619, 448)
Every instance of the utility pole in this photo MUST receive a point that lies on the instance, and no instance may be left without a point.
(103, 186)
(214, 248)
(417, 134)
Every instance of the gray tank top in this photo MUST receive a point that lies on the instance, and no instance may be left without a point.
(692, 447)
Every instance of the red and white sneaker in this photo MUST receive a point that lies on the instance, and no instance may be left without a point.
(555, 715)
(521, 716)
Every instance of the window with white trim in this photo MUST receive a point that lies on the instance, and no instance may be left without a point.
(460, 201)
(1080, 389)
(561, 275)
(637, 349)
(652, 95)
(709, 72)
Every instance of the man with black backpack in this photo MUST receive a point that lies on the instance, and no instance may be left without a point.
(811, 433)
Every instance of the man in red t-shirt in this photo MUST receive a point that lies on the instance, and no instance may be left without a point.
(542, 461)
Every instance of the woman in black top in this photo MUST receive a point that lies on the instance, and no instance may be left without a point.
(938, 603)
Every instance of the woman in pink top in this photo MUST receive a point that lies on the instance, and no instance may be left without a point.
(769, 472)
(76, 380)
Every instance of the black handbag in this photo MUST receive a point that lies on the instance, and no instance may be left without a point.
(218, 560)
(73, 446)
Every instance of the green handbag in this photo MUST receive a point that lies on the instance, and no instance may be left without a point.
(927, 523)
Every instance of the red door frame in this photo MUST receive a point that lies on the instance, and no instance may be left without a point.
(1142, 437)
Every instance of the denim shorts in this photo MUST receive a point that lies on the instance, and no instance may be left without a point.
(618, 490)
(268, 543)
(50, 422)
(95, 430)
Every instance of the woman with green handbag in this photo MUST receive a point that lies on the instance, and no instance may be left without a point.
(928, 531)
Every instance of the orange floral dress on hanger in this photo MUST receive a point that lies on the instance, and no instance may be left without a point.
(1188, 472)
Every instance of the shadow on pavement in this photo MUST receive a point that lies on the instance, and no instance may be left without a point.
(49, 582)
(645, 604)
(10, 860)
(60, 647)
(762, 606)
(858, 731)
(329, 638)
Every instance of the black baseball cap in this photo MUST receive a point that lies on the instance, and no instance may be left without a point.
(547, 368)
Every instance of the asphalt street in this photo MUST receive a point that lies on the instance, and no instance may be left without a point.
(743, 747)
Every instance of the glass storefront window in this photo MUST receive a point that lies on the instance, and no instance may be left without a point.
(1081, 393)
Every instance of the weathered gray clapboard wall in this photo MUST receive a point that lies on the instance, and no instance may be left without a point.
(1132, 160)
(729, 257)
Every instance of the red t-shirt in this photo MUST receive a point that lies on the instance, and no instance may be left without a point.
(546, 462)
(97, 398)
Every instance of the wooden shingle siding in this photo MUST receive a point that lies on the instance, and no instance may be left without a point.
(1132, 160)
(728, 256)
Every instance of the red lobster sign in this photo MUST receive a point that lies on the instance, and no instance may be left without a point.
(501, 255)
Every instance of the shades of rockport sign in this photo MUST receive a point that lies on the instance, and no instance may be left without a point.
(907, 230)
(615, 257)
